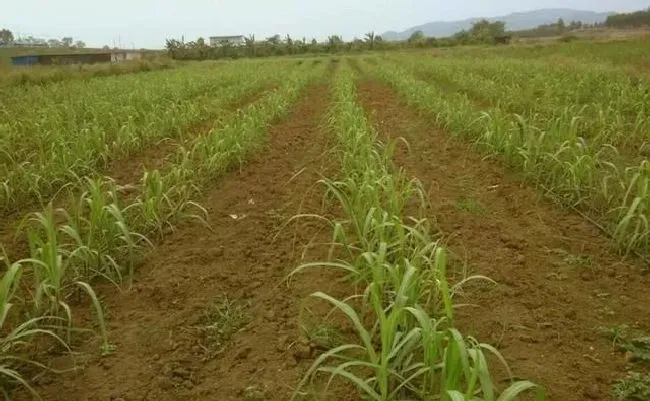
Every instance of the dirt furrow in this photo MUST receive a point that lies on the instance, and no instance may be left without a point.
(159, 328)
(559, 283)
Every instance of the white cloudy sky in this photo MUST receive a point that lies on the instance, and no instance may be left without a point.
(146, 23)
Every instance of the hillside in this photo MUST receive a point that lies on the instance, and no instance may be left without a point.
(514, 21)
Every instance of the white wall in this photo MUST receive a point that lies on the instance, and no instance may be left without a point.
(117, 57)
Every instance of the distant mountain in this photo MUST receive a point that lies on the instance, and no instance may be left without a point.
(514, 21)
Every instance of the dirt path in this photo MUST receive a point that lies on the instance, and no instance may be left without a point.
(160, 354)
(558, 281)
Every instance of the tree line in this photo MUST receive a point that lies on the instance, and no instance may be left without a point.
(272, 46)
(556, 29)
(7, 38)
(637, 19)
(481, 32)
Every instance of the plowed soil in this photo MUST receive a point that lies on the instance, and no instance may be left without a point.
(245, 256)
(558, 281)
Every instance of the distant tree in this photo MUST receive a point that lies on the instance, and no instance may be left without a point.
(200, 47)
(335, 42)
(575, 25)
(79, 44)
(274, 40)
(371, 39)
(356, 45)
(175, 49)
(54, 43)
(432, 42)
(314, 47)
(6, 36)
(416, 37)
(226, 47)
(304, 48)
(635, 19)
(560, 25)
(290, 43)
(485, 30)
(106, 47)
(67, 41)
(482, 31)
(251, 45)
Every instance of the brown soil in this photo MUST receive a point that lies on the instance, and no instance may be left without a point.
(160, 354)
(558, 281)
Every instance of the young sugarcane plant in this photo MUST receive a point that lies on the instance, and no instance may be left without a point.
(16, 337)
(407, 354)
(55, 274)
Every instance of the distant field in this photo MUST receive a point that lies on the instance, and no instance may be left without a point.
(247, 229)
(631, 55)
(21, 75)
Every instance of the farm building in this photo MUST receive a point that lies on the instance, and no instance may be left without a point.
(118, 56)
(216, 41)
(76, 58)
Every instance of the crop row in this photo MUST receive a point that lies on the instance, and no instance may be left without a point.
(619, 53)
(103, 230)
(607, 105)
(552, 152)
(406, 345)
(78, 127)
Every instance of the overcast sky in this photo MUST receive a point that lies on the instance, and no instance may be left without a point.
(146, 23)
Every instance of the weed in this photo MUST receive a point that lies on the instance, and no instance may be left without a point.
(575, 261)
(636, 345)
(220, 322)
(470, 205)
(635, 387)
(323, 336)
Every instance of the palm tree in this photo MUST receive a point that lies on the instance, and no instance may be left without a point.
(334, 43)
(250, 44)
(370, 39)
(273, 40)
(173, 47)
(289, 44)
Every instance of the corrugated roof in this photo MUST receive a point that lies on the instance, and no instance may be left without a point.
(76, 54)
(66, 54)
